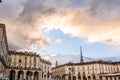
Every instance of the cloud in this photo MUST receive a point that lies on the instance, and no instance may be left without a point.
(58, 41)
(93, 20)
(99, 23)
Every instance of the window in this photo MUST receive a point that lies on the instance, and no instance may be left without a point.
(20, 61)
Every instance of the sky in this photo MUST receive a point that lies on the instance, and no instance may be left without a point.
(62, 26)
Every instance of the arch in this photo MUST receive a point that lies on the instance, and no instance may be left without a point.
(29, 75)
(79, 77)
(100, 77)
(20, 75)
(45, 76)
(69, 77)
(94, 78)
(119, 77)
(89, 77)
(74, 77)
(12, 75)
(84, 78)
(63, 77)
(36, 75)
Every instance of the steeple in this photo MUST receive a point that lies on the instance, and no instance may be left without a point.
(81, 57)
(56, 64)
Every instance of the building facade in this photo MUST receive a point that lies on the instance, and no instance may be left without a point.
(46, 69)
(24, 65)
(96, 70)
(3, 52)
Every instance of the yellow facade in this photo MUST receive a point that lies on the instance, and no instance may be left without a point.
(24, 65)
(96, 70)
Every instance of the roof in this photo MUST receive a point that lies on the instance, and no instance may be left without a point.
(23, 53)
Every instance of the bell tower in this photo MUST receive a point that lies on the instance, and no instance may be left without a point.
(56, 64)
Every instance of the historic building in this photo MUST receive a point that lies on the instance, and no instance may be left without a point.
(94, 70)
(24, 65)
(3, 52)
(46, 69)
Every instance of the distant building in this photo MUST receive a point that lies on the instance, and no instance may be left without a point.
(94, 70)
(3, 51)
(24, 65)
(46, 69)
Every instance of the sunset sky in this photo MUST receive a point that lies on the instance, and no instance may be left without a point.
(62, 26)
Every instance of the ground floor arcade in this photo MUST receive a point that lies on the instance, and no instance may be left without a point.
(114, 76)
(24, 74)
(74, 77)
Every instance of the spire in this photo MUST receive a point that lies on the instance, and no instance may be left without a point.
(56, 64)
(81, 57)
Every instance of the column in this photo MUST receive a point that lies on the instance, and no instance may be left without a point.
(117, 78)
(32, 77)
(24, 75)
(109, 78)
(103, 78)
(113, 78)
(39, 75)
(16, 75)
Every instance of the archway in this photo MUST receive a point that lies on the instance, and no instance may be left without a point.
(20, 75)
(36, 75)
(29, 75)
(63, 77)
(84, 78)
(94, 78)
(79, 77)
(12, 75)
(89, 78)
(100, 77)
(74, 77)
(69, 77)
(119, 77)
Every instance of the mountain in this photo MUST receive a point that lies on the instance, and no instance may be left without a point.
(62, 59)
